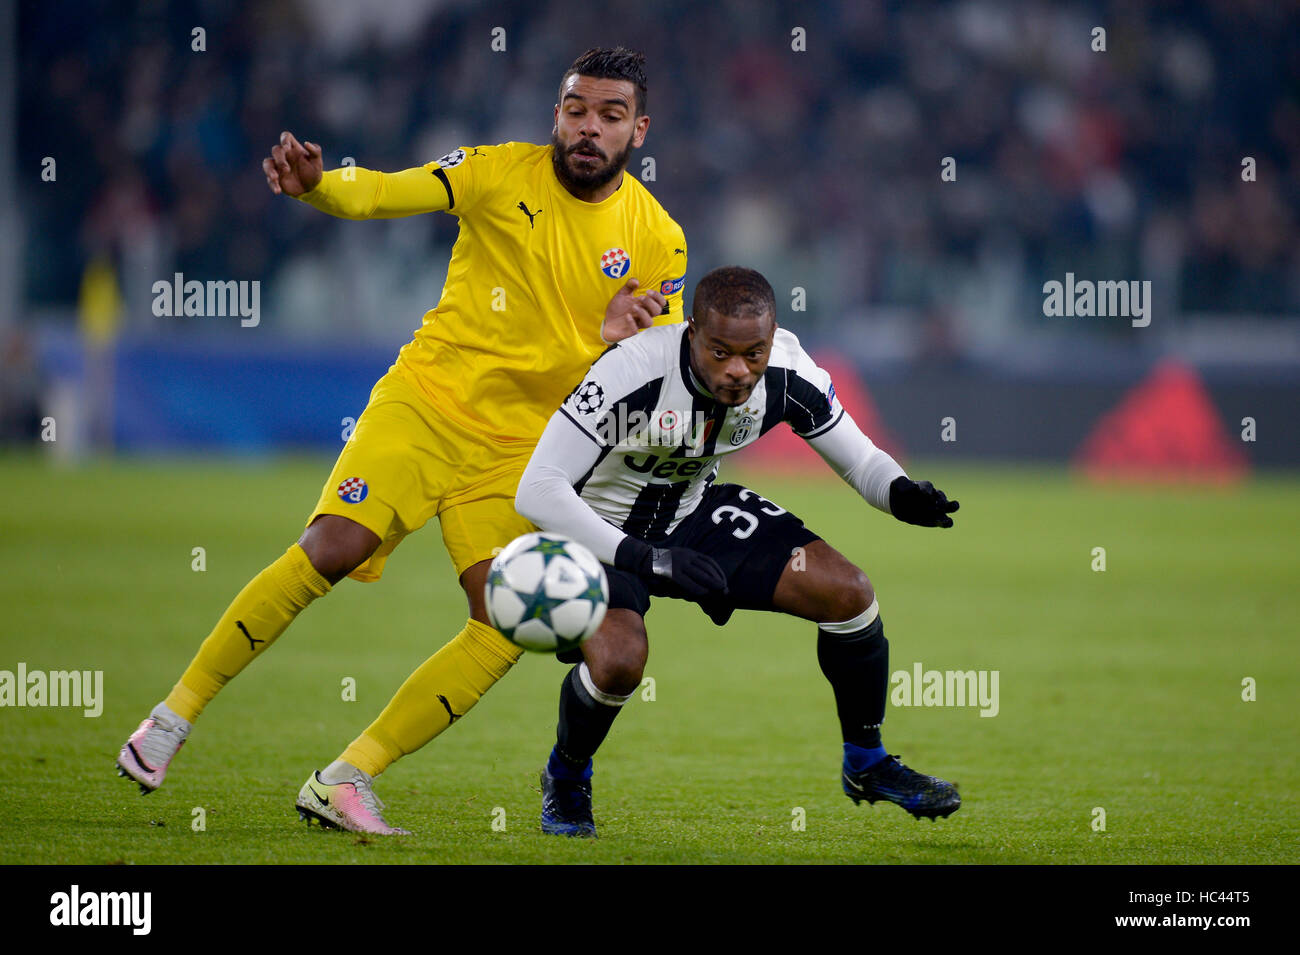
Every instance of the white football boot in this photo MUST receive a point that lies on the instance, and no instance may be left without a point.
(350, 804)
(148, 752)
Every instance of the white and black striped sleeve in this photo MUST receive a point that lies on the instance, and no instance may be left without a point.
(623, 380)
(810, 405)
(563, 458)
(816, 415)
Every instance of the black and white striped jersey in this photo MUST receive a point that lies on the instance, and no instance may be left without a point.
(640, 439)
(660, 435)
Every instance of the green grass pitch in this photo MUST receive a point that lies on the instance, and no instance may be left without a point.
(1119, 690)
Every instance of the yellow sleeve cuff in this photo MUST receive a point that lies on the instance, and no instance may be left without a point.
(349, 193)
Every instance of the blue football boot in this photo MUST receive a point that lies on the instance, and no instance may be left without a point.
(891, 781)
(566, 805)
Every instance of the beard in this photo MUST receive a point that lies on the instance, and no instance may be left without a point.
(586, 180)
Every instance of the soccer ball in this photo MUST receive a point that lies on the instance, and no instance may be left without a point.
(546, 592)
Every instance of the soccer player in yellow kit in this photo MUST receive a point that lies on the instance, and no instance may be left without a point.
(554, 243)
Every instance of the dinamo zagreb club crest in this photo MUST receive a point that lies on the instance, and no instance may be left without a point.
(354, 490)
(615, 263)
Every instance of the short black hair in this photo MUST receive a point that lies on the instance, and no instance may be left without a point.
(732, 290)
(619, 63)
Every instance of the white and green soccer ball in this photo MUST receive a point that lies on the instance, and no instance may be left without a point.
(546, 592)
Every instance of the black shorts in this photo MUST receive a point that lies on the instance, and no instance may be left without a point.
(752, 540)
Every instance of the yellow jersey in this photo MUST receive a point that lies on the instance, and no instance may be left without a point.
(519, 319)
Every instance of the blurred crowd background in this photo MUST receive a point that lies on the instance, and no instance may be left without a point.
(821, 168)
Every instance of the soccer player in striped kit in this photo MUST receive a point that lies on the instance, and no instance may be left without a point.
(628, 467)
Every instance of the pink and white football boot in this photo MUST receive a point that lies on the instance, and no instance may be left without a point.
(148, 752)
(350, 804)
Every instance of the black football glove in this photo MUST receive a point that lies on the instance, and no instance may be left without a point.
(697, 574)
(922, 504)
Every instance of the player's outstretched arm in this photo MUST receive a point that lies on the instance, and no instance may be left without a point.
(298, 170)
(546, 496)
(880, 479)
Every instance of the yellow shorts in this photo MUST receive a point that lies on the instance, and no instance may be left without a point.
(406, 462)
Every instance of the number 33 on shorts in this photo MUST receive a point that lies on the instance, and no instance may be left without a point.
(748, 521)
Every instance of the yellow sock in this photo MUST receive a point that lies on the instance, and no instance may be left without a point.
(437, 694)
(261, 612)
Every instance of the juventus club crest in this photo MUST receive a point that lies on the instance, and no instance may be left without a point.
(741, 431)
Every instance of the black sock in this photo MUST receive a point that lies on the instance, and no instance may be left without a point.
(584, 720)
(857, 666)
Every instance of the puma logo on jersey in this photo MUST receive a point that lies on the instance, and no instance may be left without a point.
(524, 209)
